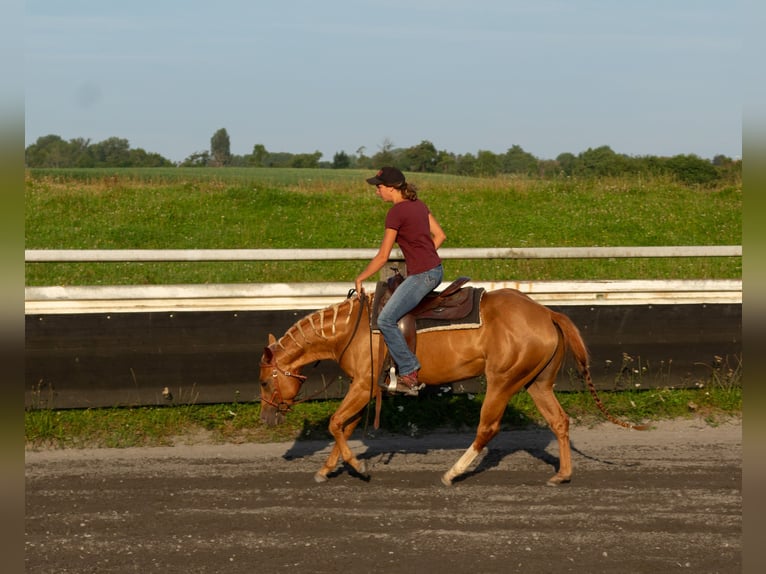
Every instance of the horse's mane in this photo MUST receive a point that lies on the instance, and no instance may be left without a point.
(312, 326)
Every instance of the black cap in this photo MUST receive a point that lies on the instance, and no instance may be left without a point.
(388, 176)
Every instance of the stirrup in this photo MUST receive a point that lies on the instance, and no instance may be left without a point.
(394, 386)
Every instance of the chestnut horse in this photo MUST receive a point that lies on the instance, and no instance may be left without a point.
(519, 344)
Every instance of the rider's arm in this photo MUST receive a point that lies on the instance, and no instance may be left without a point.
(437, 233)
(377, 262)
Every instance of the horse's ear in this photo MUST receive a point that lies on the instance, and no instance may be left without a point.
(268, 354)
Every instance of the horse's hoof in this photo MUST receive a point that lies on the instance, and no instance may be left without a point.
(320, 478)
(446, 481)
(362, 469)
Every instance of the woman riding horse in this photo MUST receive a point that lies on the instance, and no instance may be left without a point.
(411, 225)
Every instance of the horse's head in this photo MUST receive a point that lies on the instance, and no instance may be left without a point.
(279, 386)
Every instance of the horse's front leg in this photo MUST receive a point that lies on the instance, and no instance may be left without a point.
(330, 464)
(342, 425)
(337, 452)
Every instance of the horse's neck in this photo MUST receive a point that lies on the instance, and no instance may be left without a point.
(320, 335)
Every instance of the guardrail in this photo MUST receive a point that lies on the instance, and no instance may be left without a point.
(275, 296)
(271, 296)
(139, 255)
(89, 346)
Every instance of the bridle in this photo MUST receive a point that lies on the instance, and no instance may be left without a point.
(276, 400)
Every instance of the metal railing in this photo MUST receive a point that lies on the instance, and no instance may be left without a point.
(142, 255)
(270, 296)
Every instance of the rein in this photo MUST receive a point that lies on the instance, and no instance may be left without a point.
(362, 297)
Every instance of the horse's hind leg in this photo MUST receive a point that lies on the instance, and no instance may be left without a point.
(546, 402)
(492, 410)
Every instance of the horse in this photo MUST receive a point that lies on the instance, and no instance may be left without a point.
(519, 343)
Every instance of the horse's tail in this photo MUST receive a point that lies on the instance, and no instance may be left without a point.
(574, 342)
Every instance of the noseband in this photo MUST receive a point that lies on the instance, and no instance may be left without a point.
(276, 399)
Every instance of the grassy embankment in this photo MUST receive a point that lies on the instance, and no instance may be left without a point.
(263, 208)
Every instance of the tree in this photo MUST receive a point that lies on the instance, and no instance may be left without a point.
(567, 162)
(341, 160)
(47, 151)
(386, 154)
(278, 159)
(721, 160)
(692, 169)
(601, 161)
(112, 152)
(52, 151)
(197, 159)
(258, 157)
(422, 157)
(445, 162)
(465, 164)
(487, 164)
(141, 158)
(220, 148)
(306, 159)
(516, 160)
(80, 153)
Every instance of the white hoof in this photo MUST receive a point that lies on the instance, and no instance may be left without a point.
(319, 477)
(446, 480)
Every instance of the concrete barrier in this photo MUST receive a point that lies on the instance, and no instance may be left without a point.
(176, 344)
(158, 357)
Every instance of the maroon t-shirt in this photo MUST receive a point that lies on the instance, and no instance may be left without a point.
(413, 234)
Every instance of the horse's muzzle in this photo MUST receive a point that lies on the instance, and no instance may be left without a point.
(272, 416)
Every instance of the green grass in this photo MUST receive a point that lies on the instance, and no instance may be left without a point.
(282, 208)
(237, 423)
(714, 400)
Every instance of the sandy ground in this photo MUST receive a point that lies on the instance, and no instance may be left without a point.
(665, 500)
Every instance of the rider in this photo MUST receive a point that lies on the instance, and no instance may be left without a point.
(410, 224)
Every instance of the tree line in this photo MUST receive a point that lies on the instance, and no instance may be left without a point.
(53, 152)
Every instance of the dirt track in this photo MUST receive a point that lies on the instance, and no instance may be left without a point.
(665, 500)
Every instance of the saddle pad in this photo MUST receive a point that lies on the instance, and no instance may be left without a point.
(470, 321)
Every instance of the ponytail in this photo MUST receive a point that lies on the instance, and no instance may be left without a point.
(409, 191)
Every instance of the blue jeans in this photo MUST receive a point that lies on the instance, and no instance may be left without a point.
(405, 298)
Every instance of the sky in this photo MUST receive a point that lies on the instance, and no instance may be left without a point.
(644, 77)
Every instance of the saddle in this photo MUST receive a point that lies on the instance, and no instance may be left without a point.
(438, 310)
(455, 302)
(453, 307)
